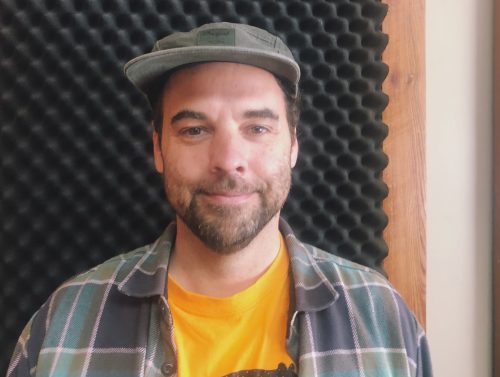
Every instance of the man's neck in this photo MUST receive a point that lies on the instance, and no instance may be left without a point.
(199, 269)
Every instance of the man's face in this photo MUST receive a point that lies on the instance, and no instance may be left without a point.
(225, 152)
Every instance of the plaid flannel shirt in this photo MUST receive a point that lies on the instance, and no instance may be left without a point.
(345, 320)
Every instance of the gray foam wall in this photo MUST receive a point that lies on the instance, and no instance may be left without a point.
(78, 184)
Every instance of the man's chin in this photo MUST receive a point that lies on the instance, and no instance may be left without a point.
(228, 235)
(227, 230)
(227, 246)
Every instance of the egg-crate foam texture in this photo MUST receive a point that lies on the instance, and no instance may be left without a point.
(78, 182)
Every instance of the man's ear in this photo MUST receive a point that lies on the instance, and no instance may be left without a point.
(158, 157)
(294, 152)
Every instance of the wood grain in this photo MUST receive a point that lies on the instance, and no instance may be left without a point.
(405, 146)
(496, 229)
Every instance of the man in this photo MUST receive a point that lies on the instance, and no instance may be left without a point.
(227, 290)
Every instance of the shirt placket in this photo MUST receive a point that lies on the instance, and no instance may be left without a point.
(169, 366)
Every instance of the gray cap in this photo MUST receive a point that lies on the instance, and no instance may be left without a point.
(215, 42)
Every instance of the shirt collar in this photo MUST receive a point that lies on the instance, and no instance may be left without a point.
(313, 275)
(312, 279)
(147, 277)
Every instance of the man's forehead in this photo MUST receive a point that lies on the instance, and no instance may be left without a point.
(222, 68)
(222, 77)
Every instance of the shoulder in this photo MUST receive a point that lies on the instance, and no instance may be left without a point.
(88, 291)
(90, 287)
(111, 272)
(343, 271)
(366, 305)
(362, 288)
(109, 286)
(326, 281)
(345, 264)
(71, 309)
(362, 314)
(314, 265)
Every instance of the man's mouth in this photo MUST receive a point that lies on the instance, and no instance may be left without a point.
(227, 197)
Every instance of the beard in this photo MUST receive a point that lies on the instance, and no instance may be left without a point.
(227, 228)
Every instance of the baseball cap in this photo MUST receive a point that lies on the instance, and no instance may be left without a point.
(214, 42)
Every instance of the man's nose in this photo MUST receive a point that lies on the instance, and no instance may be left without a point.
(228, 153)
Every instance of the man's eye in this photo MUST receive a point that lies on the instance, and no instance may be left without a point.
(192, 131)
(258, 130)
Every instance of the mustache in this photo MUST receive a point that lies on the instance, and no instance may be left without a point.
(227, 184)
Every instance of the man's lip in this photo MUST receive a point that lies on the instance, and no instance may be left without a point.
(228, 197)
(228, 193)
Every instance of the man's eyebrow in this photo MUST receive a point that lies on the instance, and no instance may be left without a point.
(261, 113)
(187, 114)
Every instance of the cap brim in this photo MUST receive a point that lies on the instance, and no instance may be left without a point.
(146, 69)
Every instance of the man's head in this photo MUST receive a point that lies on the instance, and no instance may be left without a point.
(227, 142)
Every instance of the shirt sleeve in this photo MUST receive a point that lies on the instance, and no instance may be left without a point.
(25, 356)
(424, 366)
(19, 363)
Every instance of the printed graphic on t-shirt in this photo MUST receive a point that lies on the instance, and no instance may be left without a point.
(281, 371)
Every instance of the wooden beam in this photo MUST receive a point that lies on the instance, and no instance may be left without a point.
(405, 146)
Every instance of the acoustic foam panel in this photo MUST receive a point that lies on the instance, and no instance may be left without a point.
(78, 184)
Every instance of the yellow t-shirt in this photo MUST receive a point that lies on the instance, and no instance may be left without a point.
(245, 332)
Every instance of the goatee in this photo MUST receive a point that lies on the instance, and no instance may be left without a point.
(226, 228)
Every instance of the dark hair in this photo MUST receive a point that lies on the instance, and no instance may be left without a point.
(292, 101)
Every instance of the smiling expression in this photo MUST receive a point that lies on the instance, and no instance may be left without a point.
(225, 152)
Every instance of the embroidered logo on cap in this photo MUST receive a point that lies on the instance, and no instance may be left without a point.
(216, 37)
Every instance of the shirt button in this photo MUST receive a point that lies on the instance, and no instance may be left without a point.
(167, 369)
(162, 307)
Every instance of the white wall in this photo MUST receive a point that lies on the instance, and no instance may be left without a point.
(459, 38)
